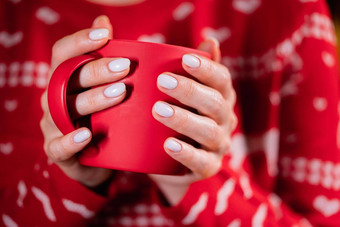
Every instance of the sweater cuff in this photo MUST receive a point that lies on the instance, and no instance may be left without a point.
(72, 193)
(194, 204)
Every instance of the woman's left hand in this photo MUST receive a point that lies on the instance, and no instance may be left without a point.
(214, 98)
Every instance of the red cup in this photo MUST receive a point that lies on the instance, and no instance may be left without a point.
(126, 136)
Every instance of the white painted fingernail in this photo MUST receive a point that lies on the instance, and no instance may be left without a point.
(173, 145)
(191, 61)
(167, 81)
(81, 136)
(119, 64)
(99, 33)
(163, 109)
(115, 90)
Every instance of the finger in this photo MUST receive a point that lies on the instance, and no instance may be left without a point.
(44, 102)
(103, 21)
(79, 43)
(208, 72)
(212, 46)
(101, 71)
(199, 128)
(207, 101)
(62, 149)
(48, 128)
(200, 162)
(96, 99)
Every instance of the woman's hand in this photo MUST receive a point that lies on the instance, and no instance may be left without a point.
(214, 98)
(61, 149)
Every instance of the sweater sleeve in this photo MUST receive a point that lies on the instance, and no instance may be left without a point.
(230, 199)
(47, 197)
(309, 155)
(283, 168)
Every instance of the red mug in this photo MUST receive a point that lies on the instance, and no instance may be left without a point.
(126, 136)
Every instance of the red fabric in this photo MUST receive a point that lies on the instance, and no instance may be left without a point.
(283, 168)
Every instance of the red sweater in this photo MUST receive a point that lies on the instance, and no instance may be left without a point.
(283, 168)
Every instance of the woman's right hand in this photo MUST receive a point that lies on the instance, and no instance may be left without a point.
(103, 74)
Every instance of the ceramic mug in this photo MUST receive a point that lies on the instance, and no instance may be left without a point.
(125, 136)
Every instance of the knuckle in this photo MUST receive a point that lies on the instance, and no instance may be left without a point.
(43, 101)
(210, 71)
(45, 146)
(180, 121)
(49, 150)
(42, 123)
(86, 100)
(45, 124)
(90, 100)
(210, 168)
(225, 146)
(234, 121)
(77, 38)
(212, 133)
(215, 105)
(233, 97)
(55, 151)
(218, 166)
(190, 89)
(225, 75)
(92, 69)
(226, 72)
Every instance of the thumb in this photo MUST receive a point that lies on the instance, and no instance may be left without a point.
(212, 46)
(103, 21)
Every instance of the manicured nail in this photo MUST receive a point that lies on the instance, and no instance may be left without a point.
(81, 136)
(191, 61)
(173, 145)
(119, 64)
(115, 90)
(99, 33)
(167, 81)
(163, 109)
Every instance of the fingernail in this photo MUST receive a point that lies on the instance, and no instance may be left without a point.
(163, 109)
(99, 33)
(115, 90)
(173, 145)
(81, 136)
(119, 64)
(167, 81)
(191, 61)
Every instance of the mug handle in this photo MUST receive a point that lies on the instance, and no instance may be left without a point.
(56, 93)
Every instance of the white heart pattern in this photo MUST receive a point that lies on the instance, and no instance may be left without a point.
(320, 104)
(47, 15)
(275, 98)
(246, 6)
(328, 59)
(8, 40)
(221, 34)
(155, 38)
(183, 11)
(11, 105)
(327, 207)
(6, 148)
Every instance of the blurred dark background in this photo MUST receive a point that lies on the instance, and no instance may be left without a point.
(334, 6)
